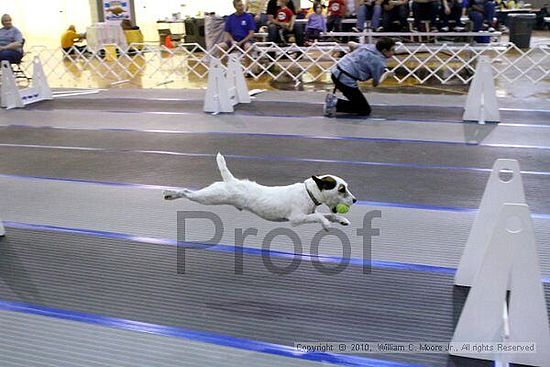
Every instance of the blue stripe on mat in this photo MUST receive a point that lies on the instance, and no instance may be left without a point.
(272, 158)
(161, 187)
(246, 250)
(197, 336)
(294, 136)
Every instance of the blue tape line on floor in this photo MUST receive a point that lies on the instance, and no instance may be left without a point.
(246, 250)
(294, 136)
(198, 336)
(161, 187)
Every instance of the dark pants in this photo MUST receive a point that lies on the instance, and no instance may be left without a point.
(334, 24)
(356, 103)
(456, 12)
(12, 56)
(397, 13)
(478, 17)
(277, 34)
(425, 11)
(312, 35)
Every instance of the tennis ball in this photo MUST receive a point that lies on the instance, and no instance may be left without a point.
(342, 208)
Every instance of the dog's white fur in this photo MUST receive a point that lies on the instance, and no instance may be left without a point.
(275, 203)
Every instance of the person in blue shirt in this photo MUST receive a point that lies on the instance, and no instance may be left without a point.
(239, 28)
(11, 41)
(365, 62)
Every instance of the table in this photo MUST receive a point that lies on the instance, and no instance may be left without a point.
(100, 34)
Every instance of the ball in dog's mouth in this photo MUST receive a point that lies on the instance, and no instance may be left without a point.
(342, 208)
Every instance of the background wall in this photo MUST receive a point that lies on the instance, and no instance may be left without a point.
(42, 22)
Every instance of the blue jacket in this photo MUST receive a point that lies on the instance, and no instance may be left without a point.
(364, 63)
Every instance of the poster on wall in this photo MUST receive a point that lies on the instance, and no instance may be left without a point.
(115, 11)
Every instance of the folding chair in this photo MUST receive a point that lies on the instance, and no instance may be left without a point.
(18, 72)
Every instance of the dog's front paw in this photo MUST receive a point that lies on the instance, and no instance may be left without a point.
(326, 224)
(171, 195)
(343, 221)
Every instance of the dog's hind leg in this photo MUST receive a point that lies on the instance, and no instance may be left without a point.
(173, 194)
(222, 166)
(215, 194)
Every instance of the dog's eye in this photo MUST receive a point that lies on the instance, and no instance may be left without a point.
(342, 189)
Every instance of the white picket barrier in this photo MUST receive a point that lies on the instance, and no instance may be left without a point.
(225, 88)
(13, 97)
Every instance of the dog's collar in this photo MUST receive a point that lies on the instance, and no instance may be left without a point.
(315, 201)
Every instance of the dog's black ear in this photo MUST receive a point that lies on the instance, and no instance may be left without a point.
(325, 183)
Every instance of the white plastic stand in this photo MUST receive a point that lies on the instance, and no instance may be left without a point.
(225, 89)
(13, 97)
(481, 103)
(497, 193)
(510, 261)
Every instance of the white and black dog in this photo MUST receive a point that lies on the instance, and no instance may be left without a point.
(295, 203)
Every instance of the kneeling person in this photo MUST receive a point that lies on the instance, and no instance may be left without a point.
(365, 62)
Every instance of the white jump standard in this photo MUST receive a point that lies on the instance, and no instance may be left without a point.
(481, 103)
(13, 97)
(225, 89)
(501, 258)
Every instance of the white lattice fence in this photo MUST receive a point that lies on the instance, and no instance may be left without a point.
(157, 65)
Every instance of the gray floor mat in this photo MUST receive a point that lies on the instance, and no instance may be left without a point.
(62, 343)
(382, 184)
(273, 108)
(429, 237)
(287, 148)
(139, 282)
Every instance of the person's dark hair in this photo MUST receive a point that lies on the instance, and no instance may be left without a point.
(385, 43)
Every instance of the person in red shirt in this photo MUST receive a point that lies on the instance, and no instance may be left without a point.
(281, 26)
(336, 11)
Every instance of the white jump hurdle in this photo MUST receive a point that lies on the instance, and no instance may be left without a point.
(481, 103)
(13, 97)
(2, 230)
(225, 89)
(501, 256)
(500, 189)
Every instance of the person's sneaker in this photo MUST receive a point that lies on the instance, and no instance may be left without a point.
(490, 29)
(356, 30)
(379, 29)
(444, 29)
(459, 29)
(330, 105)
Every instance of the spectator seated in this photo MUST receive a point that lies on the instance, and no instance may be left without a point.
(11, 41)
(281, 26)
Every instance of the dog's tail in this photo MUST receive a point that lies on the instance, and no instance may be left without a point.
(226, 175)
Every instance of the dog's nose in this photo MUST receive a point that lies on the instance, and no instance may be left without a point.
(354, 200)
